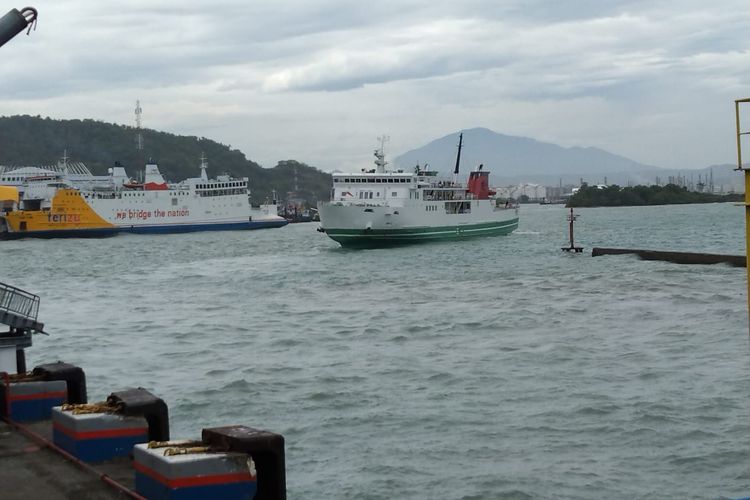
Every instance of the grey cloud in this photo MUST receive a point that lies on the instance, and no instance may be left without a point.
(462, 59)
(293, 41)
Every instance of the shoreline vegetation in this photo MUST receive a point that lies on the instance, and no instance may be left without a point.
(671, 194)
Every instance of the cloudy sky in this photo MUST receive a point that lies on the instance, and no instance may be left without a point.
(319, 80)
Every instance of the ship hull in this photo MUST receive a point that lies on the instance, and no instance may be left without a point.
(61, 233)
(366, 226)
(357, 238)
(216, 226)
(162, 229)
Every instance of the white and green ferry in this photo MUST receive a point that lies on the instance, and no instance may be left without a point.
(381, 207)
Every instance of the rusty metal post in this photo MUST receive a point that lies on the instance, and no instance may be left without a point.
(572, 248)
(572, 218)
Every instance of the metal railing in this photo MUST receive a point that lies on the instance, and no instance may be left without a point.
(18, 302)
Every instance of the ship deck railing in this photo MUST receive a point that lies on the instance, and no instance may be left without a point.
(19, 309)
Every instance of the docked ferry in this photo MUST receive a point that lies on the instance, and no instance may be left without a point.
(56, 205)
(382, 207)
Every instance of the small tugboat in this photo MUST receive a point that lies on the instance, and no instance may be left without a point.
(380, 207)
(63, 207)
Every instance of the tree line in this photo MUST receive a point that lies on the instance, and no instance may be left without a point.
(616, 196)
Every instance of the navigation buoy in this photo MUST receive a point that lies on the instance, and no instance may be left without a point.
(572, 248)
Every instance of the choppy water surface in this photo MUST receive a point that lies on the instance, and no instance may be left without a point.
(492, 368)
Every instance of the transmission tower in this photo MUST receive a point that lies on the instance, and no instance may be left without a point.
(138, 133)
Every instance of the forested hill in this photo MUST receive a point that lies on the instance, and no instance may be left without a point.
(29, 140)
(671, 194)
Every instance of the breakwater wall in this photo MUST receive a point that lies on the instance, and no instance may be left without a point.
(675, 257)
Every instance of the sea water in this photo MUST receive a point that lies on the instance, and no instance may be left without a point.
(481, 369)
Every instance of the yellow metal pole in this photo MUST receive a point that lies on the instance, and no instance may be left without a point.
(747, 237)
(747, 196)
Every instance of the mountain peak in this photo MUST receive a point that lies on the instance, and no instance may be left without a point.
(508, 155)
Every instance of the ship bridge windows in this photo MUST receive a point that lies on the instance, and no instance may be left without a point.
(221, 189)
(460, 207)
(372, 180)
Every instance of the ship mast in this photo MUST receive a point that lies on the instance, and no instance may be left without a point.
(458, 157)
(380, 162)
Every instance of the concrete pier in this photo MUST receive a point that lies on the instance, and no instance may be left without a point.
(676, 257)
(28, 469)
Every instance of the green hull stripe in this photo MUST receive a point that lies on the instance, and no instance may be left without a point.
(359, 236)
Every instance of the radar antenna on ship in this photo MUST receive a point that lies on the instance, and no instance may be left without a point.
(380, 162)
